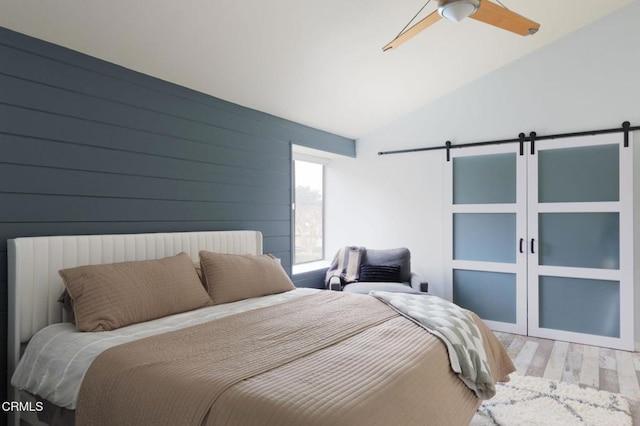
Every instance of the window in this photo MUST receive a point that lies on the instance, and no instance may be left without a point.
(308, 199)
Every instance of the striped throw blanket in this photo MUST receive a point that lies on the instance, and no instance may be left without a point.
(346, 264)
(456, 329)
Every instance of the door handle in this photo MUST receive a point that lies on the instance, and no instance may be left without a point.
(521, 241)
(533, 240)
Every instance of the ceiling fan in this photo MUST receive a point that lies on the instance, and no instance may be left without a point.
(457, 10)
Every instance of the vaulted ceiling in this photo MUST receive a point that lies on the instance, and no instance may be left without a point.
(319, 63)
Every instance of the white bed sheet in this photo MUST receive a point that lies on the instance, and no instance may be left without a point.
(58, 356)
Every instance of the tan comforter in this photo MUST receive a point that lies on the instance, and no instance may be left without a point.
(325, 359)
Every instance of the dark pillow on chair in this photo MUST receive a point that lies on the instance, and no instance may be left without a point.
(379, 273)
(398, 256)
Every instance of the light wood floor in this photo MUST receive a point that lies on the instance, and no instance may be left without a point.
(582, 365)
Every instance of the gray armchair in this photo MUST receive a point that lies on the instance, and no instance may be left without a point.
(373, 273)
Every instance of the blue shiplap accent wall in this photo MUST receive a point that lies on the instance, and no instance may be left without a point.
(89, 147)
(311, 279)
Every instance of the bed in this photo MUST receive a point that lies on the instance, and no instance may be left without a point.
(290, 356)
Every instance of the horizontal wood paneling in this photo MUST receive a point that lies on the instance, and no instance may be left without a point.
(56, 181)
(191, 145)
(24, 94)
(3, 266)
(101, 86)
(312, 279)
(3, 291)
(3, 329)
(30, 151)
(58, 208)
(88, 147)
(90, 76)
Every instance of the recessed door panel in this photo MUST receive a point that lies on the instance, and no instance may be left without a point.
(491, 295)
(580, 305)
(578, 174)
(484, 237)
(583, 240)
(484, 179)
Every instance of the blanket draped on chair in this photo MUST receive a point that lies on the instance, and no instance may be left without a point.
(346, 264)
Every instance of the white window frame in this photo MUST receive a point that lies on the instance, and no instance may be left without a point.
(316, 264)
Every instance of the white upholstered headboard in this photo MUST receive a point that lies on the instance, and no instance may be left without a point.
(35, 286)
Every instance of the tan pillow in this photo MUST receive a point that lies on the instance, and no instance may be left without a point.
(110, 296)
(231, 277)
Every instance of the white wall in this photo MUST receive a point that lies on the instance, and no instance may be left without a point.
(588, 80)
(636, 236)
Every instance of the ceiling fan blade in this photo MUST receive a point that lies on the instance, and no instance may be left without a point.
(412, 31)
(501, 17)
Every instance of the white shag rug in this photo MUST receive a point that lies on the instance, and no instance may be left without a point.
(527, 400)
